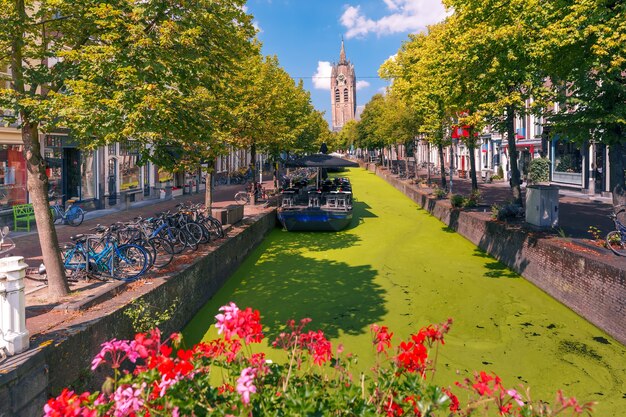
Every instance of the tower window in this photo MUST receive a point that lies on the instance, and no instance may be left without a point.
(337, 95)
(345, 95)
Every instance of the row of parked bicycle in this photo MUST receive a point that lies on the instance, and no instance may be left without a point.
(127, 251)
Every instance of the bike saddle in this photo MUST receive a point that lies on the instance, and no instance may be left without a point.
(68, 246)
(79, 237)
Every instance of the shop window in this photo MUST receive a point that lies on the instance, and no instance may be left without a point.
(164, 176)
(567, 157)
(12, 176)
(53, 155)
(130, 171)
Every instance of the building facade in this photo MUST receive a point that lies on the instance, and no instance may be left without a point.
(342, 91)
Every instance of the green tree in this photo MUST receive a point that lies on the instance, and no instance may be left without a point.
(583, 53)
(110, 71)
(421, 76)
(495, 54)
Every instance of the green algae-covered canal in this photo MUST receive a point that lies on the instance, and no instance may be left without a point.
(400, 267)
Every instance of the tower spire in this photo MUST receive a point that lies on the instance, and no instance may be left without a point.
(342, 54)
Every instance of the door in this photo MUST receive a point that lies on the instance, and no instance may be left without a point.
(112, 181)
(71, 174)
(599, 168)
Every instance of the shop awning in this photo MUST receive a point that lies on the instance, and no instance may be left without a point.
(524, 143)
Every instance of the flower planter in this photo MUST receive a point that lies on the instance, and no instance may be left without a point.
(177, 192)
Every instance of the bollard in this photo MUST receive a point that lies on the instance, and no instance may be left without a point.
(13, 333)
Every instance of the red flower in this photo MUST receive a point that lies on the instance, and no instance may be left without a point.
(454, 401)
(382, 338)
(393, 409)
(412, 356)
(68, 404)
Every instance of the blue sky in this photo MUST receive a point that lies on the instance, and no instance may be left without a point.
(306, 37)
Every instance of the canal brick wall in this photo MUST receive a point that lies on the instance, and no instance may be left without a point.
(592, 285)
(63, 358)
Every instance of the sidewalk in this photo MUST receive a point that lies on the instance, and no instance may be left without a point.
(577, 211)
(41, 315)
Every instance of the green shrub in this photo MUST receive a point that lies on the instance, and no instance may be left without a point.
(539, 170)
(495, 209)
(473, 200)
(496, 177)
(510, 211)
(500, 172)
(457, 200)
(440, 193)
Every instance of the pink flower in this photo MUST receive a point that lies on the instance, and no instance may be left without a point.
(245, 384)
(118, 350)
(245, 324)
(516, 396)
(128, 400)
(223, 320)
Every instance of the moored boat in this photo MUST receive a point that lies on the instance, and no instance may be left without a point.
(326, 206)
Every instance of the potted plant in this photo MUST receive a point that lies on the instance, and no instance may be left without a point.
(539, 171)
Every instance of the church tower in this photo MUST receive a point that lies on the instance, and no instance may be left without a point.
(342, 91)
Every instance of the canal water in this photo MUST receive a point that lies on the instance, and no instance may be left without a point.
(398, 266)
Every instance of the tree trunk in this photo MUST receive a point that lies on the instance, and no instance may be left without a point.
(208, 187)
(38, 191)
(428, 162)
(253, 171)
(415, 157)
(616, 161)
(442, 161)
(471, 147)
(515, 175)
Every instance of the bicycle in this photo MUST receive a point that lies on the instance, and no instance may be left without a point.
(243, 197)
(616, 239)
(126, 262)
(73, 215)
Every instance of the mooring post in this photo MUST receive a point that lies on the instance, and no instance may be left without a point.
(13, 333)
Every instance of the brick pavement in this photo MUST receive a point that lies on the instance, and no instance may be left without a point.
(27, 244)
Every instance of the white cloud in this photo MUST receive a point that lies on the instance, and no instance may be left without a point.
(256, 25)
(360, 84)
(403, 16)
(321, 79)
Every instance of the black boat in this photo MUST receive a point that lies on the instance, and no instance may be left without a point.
(326, 206)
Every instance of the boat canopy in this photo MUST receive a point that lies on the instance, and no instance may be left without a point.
(320, 160)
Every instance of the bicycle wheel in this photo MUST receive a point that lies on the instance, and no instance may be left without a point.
(75, 264)
(149, 248)
(75, 216)
(164, 252)
(128, 262)
(615, 242)
(216, 227)
(175, 237)
(195, 231)
(241, 198)
(206, 233)
(190, 241)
